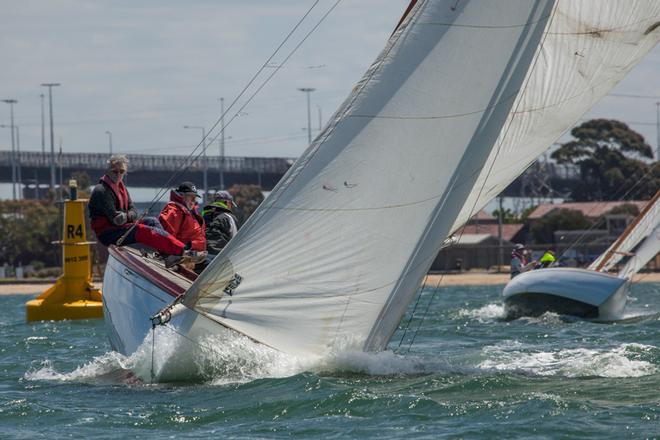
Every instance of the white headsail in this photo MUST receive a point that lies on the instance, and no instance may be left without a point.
(590, 45)
(648, 249)
(638, 229)
(337, 251)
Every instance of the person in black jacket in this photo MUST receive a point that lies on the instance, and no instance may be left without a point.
(221, 223)
(113, 216)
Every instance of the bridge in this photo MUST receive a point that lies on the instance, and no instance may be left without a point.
(147, 171)
(154, 171)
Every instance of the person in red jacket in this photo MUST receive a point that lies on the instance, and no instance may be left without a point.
(113, 216)
(180, 218)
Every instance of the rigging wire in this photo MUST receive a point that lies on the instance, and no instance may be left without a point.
(620, 195)
(193, 156)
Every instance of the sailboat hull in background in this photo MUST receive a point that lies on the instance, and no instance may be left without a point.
(567, 291)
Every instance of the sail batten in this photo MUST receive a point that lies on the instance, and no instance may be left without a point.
(337, 251)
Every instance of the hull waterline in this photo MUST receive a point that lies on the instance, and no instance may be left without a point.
(566, 291)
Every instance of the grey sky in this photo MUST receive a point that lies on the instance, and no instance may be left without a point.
(144, 69)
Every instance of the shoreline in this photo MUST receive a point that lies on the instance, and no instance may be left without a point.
(26, 287)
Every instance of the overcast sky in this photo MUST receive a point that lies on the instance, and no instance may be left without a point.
(143, 69)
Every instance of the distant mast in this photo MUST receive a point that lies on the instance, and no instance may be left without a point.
(604, 262)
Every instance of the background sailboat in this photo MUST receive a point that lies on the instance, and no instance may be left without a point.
(464, 96)
(591, 292)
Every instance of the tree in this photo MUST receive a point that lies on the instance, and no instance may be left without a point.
(627, 208)
(609, 155)
(84, 183)
(508, 216)
(27, 228)
(560, 219)
(248, 198)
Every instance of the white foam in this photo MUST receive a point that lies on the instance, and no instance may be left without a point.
(620, 361)
(226, 358)
(489, 312)
(99, 366)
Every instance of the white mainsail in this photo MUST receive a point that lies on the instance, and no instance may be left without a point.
(339, 248)
(588, 48)
(337, 251)
(647, 250)
(638, 229)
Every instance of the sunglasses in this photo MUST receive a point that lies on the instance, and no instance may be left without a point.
(120, 171)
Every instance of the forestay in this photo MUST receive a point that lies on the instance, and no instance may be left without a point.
(337, 251)
(638, 229)
(648, 249)
(589, 47)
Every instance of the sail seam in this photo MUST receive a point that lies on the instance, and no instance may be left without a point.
(485, 26)
(457, 115)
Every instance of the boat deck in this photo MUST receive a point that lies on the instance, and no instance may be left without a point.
(174, 281)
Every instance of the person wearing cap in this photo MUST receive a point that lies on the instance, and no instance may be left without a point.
(221, 223)
(113, 215)
(180, 218)
(519, 262)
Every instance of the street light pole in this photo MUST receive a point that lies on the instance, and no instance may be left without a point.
(11, 103)
(657, 130)
(109, 133)
(205, 167)
(19, 173)
(308, 90)
(43, 127)
(52, 134)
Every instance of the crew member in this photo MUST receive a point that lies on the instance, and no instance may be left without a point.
(519, 260)
(221, 223)
(180, 218)
(113, 215)
(548, 259)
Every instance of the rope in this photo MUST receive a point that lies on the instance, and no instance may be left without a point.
(153, 344)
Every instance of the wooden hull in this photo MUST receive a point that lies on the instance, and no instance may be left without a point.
(567, 291)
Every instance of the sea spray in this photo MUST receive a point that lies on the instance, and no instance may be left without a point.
(619, 361)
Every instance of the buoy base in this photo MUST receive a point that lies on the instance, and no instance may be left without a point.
(37, 310)
(68, 298)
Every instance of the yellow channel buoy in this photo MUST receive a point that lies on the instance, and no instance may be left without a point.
(73, 296)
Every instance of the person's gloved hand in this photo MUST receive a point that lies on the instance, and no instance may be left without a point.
(132, 215)
(119, 219)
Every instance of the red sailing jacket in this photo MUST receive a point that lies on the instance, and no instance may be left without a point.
(185, 224)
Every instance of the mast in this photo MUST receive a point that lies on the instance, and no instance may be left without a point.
(631, 227)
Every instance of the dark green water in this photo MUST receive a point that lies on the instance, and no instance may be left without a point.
(468, 375)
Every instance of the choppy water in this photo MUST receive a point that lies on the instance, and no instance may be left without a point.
(469, 374)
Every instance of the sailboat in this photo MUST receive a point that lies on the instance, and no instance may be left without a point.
(462, 99)
(592, 292)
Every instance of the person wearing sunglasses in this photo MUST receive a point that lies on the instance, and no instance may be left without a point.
(113, 215)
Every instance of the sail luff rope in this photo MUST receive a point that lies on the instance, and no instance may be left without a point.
(187, 161)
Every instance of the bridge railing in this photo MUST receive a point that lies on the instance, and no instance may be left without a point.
(146, 162)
